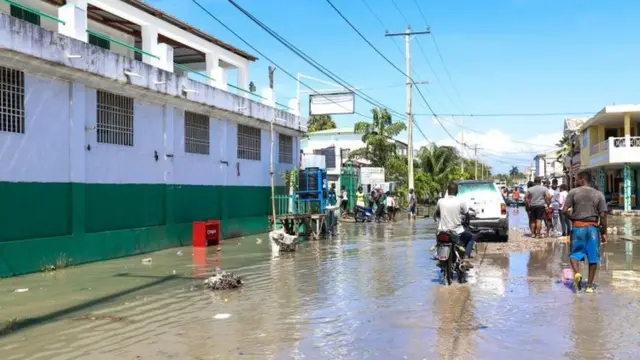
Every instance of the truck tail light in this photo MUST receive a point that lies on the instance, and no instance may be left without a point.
(503, 209)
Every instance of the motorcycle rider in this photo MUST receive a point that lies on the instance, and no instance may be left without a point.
(449, 212)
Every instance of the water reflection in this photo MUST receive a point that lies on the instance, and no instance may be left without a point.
(367, 293)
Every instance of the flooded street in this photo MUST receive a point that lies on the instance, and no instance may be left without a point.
(371, 293)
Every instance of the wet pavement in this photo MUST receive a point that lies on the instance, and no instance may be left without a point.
(370, 293)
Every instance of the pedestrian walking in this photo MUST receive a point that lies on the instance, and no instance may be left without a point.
(344, 200)
(527, 207)
(554, 193)
(589, 228)
(391, 207)
(412, 204)
(565, 222)
(515, 197)
(331, 218)
(537, 201)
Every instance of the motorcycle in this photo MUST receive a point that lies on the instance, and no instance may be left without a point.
(363, 214)
(449, 254)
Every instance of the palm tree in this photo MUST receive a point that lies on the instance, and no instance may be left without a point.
(441, 162)
(514, 171)
(320, 122)
(564, 148)
(376, 136)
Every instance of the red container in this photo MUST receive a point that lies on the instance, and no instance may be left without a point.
(205, 233)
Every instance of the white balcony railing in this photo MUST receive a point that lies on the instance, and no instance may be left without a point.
(621, 142)
(616, 150)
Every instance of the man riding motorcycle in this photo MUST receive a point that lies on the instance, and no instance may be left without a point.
(449, 212)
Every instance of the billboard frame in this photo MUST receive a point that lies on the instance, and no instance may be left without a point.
(353, 101)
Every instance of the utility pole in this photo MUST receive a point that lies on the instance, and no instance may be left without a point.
(409, 82)
(475, 151)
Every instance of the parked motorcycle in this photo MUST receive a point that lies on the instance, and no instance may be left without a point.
(450, 254)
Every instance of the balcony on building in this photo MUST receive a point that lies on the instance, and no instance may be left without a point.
(134, 30)
(611, 137)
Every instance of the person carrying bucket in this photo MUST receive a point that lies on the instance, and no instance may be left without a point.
(589, 228)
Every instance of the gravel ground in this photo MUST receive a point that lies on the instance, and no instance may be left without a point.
(518, 241)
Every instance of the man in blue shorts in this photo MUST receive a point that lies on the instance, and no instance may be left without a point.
(589, 219)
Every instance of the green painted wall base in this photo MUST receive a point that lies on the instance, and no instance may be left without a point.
(55, 224)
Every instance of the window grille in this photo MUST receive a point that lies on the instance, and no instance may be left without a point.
(11, 100)
(196, 133)
(248, 142)
(344, 154)
(98, 41)
(115, 119)
(25, 15)
(285, 149)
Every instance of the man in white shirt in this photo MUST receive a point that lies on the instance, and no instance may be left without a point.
(449, 212)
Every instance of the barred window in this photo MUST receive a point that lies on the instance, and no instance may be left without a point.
(115, 119)
(196, 133)
(11, 100)
(25, 15)
(248, 142)
(344, 154)
(100, 42)
(285, 149)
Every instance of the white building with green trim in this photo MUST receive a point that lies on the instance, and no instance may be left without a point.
(108, 149)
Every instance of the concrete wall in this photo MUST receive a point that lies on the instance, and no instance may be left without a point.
(42, 153)
(41, 51)
(91, 25)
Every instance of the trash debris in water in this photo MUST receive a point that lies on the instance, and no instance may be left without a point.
(174, 272)
(146, 261)
(222, 316)
(179, 253)
(223, 281)
(282, 242)
(258, 241)
(22, 290)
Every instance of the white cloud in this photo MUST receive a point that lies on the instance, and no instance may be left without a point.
(497, 142)
(499, 149)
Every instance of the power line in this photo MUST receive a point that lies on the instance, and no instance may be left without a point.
(483, 133)
(426, 58)
(267, 58)
(308, 59)
(393, 65)
(435, 44)
(568, 113)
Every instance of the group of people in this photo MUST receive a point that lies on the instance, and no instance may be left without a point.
(544, 205)
(378, 199)
(581, 214)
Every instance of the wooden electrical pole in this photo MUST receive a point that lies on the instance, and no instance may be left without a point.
(409, 82)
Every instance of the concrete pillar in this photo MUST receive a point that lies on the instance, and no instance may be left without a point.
(163, 53)
(294, 108)
(216, 72)
(78, 134)
(269, 97)
(627, 129)
(168, 125)
(627, 187)
(74, 15)
(243, 81)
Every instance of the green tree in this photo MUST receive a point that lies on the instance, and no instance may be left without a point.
(377, 135)
(514, 171)
(564, 148)
(320, 122)
(441, 162)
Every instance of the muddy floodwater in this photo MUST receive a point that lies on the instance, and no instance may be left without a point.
(372, 292)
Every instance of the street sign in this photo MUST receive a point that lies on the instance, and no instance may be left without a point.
(371, 175)
(332, 104)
